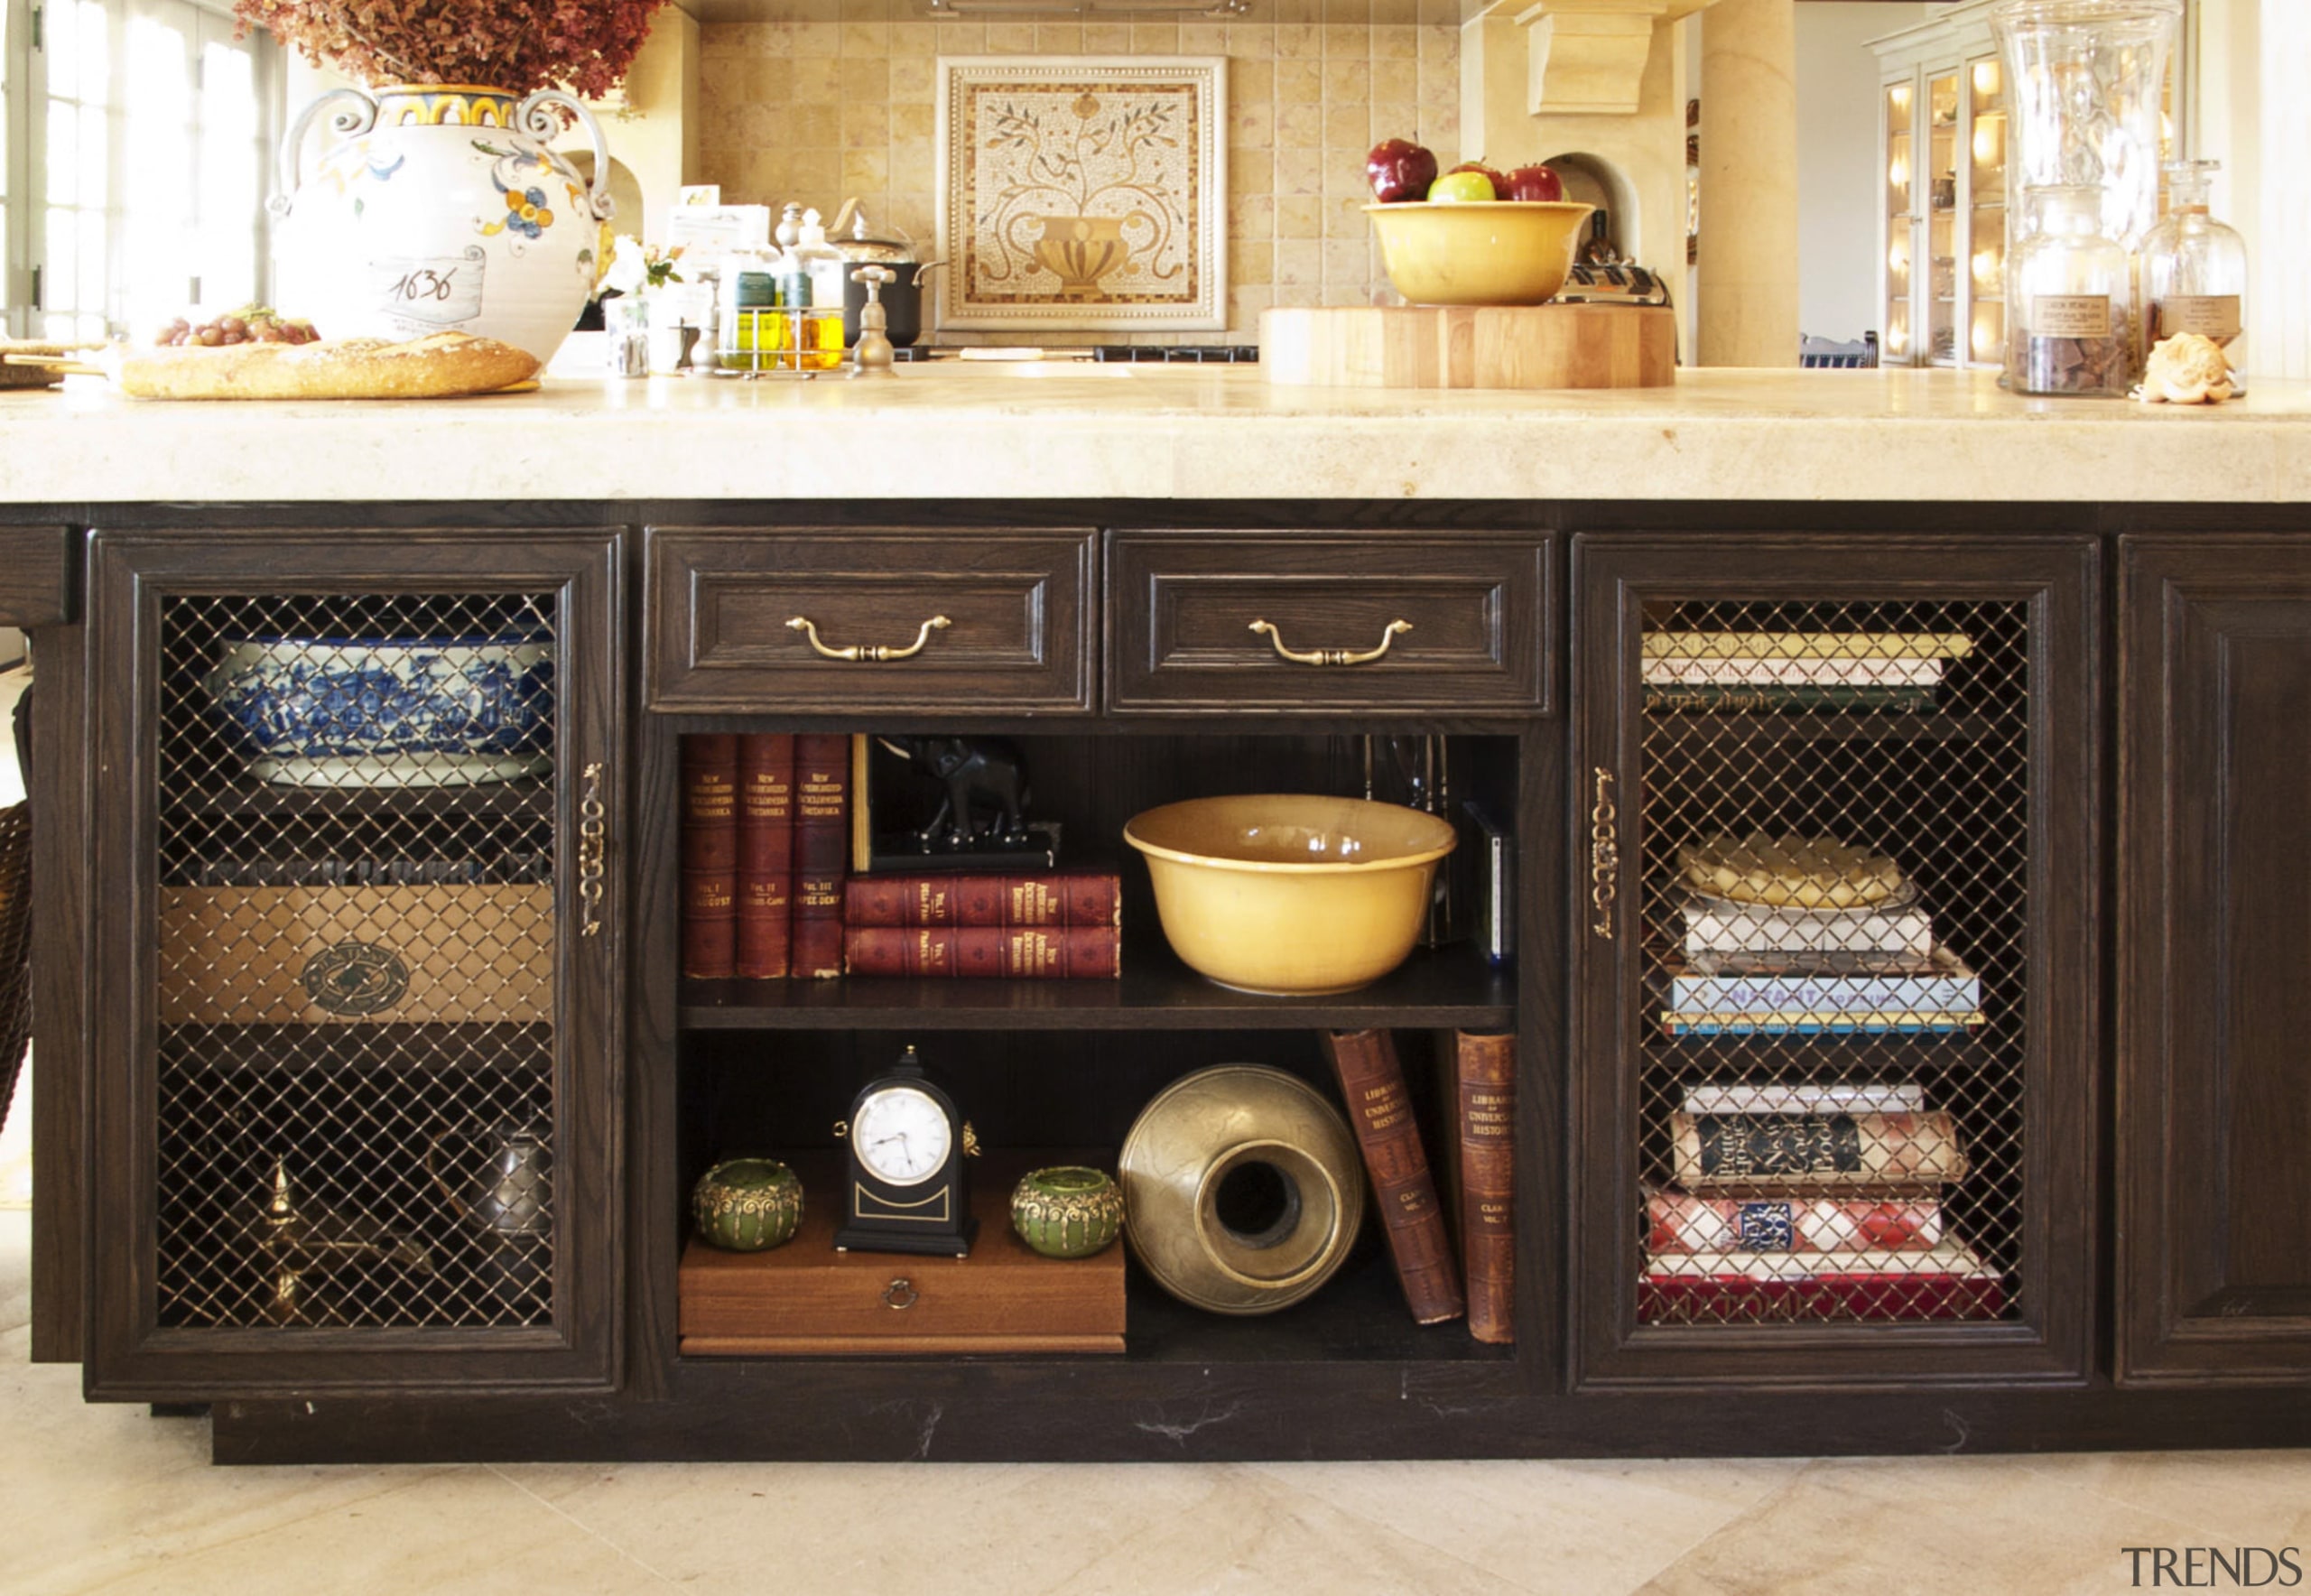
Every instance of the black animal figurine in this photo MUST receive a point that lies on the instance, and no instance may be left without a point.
(978, 775)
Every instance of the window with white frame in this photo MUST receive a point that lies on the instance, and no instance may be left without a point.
(150, 124)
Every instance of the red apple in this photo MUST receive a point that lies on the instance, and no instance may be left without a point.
(1400, 170)
(1532, 182)
(1499, 183)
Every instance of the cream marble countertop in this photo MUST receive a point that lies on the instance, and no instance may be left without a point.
(1076, 431)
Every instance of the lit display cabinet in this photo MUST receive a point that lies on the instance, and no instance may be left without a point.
(1942, 148)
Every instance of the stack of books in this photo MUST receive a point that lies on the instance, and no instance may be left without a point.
(1793, 671)
(1810, 1202)
(1807, 936)
(768, 891)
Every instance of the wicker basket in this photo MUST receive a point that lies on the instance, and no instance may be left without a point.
(16, 946)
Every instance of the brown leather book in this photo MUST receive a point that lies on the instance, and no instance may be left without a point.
(1485, 1071)
(1372, 1081)
(821, 851)
(765, 854)
(1029, 952)
(1044, 898)
(710, 855)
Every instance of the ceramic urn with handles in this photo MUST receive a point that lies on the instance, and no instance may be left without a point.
(442, 208)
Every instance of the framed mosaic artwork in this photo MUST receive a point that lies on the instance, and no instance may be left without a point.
(1084, 192)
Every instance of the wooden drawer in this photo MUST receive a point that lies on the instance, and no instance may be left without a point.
(721, 604)
(1182, 638)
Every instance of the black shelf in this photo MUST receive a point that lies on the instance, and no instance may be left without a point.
(1446, 987)
(1715, 732)
(442, 1047)
(1357, 1316)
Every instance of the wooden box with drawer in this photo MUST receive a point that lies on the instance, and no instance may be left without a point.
(1226, 623)
(806, 1298)
(748, 619)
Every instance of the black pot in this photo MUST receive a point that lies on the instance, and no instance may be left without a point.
(902, 298)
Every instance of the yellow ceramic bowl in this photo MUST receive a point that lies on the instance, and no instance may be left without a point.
(1507, 252)
(1290, 895)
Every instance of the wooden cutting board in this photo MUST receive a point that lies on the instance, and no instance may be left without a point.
(806, 1299)
(1470, 347)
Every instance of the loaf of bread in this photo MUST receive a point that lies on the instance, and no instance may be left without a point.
(439, 366)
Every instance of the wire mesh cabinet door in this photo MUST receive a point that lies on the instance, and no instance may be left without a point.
(356, 846)
(1836, 1009)
(2214, 890)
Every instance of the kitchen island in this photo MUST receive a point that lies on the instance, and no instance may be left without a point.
(2092, 785)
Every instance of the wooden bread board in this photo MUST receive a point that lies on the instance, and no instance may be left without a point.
(805, 1299)
(1580, 346)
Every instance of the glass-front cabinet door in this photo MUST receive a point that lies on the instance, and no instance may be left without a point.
(1837, 1031)
(1939, 182)
(356, 849)
(1900, 213)
(1983, 273)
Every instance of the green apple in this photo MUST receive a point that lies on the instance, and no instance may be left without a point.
(1462, 188)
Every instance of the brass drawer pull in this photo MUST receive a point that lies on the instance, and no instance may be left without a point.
(900, 1294)
(1331, 656)
(593, 848)
(1604, 855)
(869, 653)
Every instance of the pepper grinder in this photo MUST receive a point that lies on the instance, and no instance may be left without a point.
(873, 351)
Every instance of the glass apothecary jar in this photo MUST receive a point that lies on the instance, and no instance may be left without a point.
(2069, 298)
(2194, 267)
(2085, 83)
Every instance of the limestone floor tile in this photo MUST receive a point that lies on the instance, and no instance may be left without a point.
(449, 1533)
(1256, 1532)
(1008, 1530)
(1896, 1526)
(2246, 1498)
(1571, 1527)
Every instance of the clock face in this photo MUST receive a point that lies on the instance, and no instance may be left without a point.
(901, 1135)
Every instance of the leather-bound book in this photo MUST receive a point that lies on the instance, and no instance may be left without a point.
(710, 855)
(765, 854)
(821, 851)
(1485, 1076)
(1057, 952)
(1038, 898)
(1380, 1109)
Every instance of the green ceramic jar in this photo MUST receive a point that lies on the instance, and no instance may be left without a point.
(1067, 1211)
(748, 1204)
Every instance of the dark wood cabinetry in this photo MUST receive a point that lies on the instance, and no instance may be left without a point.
(1123, 663)
(353, 1002)
(2214, 892)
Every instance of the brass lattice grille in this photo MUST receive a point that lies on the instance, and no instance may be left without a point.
(1836, 823)
(357, 852)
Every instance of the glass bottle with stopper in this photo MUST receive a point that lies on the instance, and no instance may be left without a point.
(2194, 267)
(2069, 300)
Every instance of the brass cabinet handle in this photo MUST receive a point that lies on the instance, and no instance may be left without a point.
(900, 1294)
(1604, 855)
(869, 652)
(593, 849)
(1331, 656)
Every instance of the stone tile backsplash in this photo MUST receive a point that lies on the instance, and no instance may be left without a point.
(840, 101)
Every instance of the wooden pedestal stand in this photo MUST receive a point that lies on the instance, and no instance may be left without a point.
(1581, 346)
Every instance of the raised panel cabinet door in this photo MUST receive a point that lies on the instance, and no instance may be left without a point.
(1234, 622)
(2215, 919)
(1835, 990)
(357, 831)
(819, 621)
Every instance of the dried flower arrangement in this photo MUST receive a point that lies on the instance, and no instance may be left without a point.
(516, 45)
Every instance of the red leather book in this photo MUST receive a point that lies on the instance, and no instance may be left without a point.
(1485, 1067)
(1948, 1281)
(1029, 952)
(1380, 1110)
(821, 851)
(765, 854)
(710, 855)
(1044, 898)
